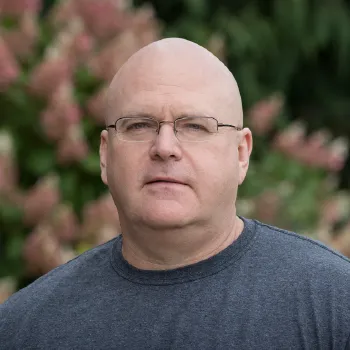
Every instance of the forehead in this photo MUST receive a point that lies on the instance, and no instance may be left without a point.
(167, 85)
(167, 101)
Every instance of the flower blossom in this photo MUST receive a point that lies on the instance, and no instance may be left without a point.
(18, 7)
(61, 113)
(103, 18)
(100, 219)
(42, 251)
(112, 56)
(41, 199)
(49, 74)
(7, 288)
(263, 114)
(9, 69)
(96, 106)
(73, 146)
(64, 223)
(8, 168)
(22, 40)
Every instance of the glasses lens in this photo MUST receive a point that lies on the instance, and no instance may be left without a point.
(136, 129)
(195, 129)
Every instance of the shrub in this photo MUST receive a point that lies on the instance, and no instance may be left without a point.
(54, 72)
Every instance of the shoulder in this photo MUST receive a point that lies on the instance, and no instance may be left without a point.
(91, 260)
(64, 277)
(303, 251)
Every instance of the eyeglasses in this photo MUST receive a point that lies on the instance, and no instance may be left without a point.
(189, 129)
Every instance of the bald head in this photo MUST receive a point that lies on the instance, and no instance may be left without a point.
(167, 80)
(173, 63)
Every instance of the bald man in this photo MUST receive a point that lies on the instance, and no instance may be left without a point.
(186, 272)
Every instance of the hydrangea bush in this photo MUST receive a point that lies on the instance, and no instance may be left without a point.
(54, 72)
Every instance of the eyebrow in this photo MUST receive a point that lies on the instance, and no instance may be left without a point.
(152, 116)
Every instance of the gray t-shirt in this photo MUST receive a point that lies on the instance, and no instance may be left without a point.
(270, 289)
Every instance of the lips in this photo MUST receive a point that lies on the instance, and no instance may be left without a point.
(164, 180)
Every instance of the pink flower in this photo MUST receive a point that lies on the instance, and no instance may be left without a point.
(267, 206)
(63, 102)
(108, 210)
(145, 26)
(217, 47)
(337, 153)
(314, 151)
(49, 75)
(91, 222)
(64, 223)
(41, 199)
(291, 140)
(100, 214)
(61, 113)
(263, 114)
(332, 210)
(143, 18)
(22, 40)
(96, 106)
(73, 147)
(8, 169)
(73, 42)
(102, 18)
(341, 240)
(104, 234)
(62, 12)
(18, 7)
(42, 251)
(82, 45)
(8, 286)
(9, 70)
(107, 62)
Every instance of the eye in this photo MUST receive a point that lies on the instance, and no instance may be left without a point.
(139, 126)
(190, 126)
(193, 126)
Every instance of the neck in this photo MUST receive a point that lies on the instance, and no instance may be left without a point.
(165, 250)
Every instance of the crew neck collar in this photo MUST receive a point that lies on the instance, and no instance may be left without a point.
(188, 273)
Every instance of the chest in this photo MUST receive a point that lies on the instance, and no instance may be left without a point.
(179, 319)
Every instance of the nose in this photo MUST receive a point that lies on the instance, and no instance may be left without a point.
(166, 145)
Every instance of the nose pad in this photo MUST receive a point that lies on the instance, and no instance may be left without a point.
(167, 122)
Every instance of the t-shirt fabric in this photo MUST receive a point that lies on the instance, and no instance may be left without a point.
(270, 289)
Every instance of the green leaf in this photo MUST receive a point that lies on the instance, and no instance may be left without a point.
(91, 164)
(198, 8)
(10, 214)
(69, 184)
(40, 162)
(14, 248)
(9, 22)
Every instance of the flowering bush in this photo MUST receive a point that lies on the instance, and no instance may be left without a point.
(53, 76)
(293, 177)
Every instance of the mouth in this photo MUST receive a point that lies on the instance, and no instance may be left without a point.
(165, 181)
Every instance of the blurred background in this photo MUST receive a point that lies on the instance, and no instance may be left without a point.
(290, 58)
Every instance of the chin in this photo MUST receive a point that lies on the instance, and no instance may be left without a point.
(166, 216)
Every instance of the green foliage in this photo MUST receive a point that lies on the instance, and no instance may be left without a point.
(298, 47)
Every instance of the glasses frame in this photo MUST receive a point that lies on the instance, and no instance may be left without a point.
(160, 123)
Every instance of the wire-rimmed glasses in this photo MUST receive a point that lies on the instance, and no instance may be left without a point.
(189, 129)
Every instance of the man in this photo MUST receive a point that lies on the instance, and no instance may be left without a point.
(186, 272)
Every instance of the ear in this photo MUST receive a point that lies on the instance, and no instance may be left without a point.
(104, 155)
(245, 147)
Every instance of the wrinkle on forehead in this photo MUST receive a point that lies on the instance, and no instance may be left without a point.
(175, 63)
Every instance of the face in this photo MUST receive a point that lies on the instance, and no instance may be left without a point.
(207, 174)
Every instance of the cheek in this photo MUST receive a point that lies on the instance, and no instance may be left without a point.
(124, 169)
(217, 172)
